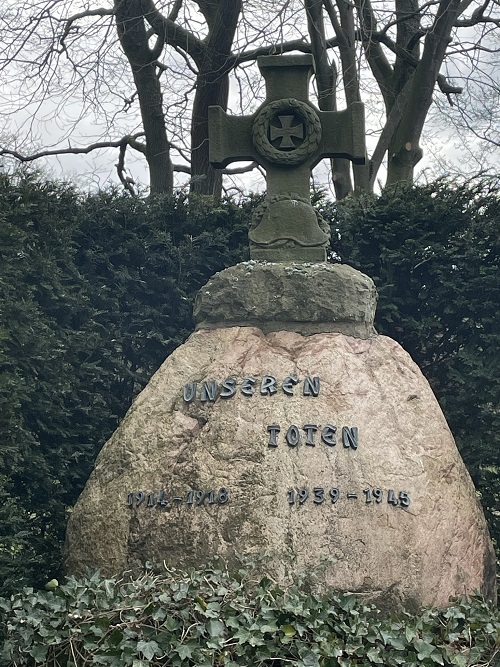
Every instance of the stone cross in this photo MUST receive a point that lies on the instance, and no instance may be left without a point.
(287, 136)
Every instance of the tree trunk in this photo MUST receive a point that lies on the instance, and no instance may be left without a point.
(403, 157)
(161, 179)
(212, 88)
(401, 164)
(133, 37)
(404, 150)
(326, 79)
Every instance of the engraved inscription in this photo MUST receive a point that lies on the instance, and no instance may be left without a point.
(318, 495)
(193, 497)
(208, 391)
(308, 435)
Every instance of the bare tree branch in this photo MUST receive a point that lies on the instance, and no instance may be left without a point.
(174, 12)
(76, 150)
(69, 22)
(277, 49)
(240, 170)
(379, 64)
(182, 168)
(68, 67)
(405, 55)
(173, 33)
(127, 181)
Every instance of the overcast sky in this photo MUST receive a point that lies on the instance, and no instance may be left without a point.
(58, 109)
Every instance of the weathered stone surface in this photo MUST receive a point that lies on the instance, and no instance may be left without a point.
(307, 298)
(436, 547)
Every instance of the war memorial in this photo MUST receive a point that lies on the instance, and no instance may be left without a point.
(286, 426)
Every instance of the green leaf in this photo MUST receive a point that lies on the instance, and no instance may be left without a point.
(374, 656)
(184, 651)
(172, 624)
(309, 659)
(268, 627)
(148, 649)
(242, 635)
(109, 587)
(288, 630)
(51, 585)
(424, 649)
(397, 642)
(39, 652)
(215, 628)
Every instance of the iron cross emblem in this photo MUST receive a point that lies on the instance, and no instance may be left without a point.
(287, 131)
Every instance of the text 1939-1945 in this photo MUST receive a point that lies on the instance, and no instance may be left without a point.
(319, 495)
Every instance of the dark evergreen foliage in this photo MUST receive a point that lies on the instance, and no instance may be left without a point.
(96, 291)
(434, 254)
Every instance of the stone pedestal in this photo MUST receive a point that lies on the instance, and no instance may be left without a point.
(294, 296)
(312, 446)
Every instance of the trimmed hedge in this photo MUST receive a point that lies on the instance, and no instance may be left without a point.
(96, 290)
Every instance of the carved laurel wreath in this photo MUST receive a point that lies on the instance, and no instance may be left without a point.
(312, 131)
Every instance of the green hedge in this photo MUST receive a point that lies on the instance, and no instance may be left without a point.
(97, 290)
(210, 618)
(434, 254)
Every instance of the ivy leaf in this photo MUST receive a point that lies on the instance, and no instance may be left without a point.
(397, 643)
(148, 649)
(270, 628)
(215, 628)
(374, 656)
(425, 650)
(242, 636)
(309, 659)
(288, 630)
(184, 651)
(410, 633)
(39, 652)
(109, 587)
(172, 624)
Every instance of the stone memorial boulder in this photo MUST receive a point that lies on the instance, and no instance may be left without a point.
(322, 449)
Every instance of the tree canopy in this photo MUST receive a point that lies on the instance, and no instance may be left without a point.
(137, 77)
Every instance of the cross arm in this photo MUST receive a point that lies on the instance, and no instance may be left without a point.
(230, 138)
(343, 134)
